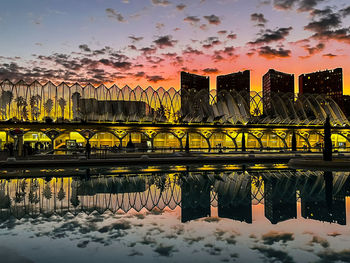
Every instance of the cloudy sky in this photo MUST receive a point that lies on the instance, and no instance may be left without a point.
(148, 42)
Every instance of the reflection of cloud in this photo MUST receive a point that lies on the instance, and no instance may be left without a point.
(83, 243)
(333, 234)
(333, 256)
(319, 240)
(165, 251)
(135, 253)
(274, 236)
(211, 219)
(191, 240)
(274, 255)
(10, 255)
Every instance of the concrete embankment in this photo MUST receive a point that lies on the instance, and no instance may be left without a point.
(165, 159)
(320, 165)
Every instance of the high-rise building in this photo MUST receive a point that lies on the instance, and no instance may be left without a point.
(276, 82)
(328, 82)
(238, 81)
(191, 85)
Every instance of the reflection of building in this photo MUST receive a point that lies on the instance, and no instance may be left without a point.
(113, 110)
(276, 82)
(195, 198)
(314, 203)
(191, 85)
(328, 82)
(236, 205)
(280, 205)
(110, 186)
(239, 82)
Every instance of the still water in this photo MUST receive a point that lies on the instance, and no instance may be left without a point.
(179, 215)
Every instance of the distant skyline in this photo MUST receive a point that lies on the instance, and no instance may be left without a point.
(150, 42)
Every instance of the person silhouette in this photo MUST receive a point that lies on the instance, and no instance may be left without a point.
(88, 149)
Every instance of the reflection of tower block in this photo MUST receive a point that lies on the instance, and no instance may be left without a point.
(314, 204)
(232, 205)
(279, 205)
(195, 198)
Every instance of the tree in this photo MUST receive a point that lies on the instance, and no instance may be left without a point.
(34, 102)
(48, 105)
(6, 98)
(21, 103)
(62, 103)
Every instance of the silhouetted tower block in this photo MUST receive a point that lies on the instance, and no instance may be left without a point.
(327, 151)
(191, 85)
(327, 82)
(235, 202)
(280, 199)
(238, 81)
(195, 198)
(318, 201)
(276, 82)
(294, 142)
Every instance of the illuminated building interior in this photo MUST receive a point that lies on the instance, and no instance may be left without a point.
(157, 119)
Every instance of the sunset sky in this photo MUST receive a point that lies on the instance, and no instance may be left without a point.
(148, 42)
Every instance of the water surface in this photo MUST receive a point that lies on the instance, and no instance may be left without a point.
(190, 215)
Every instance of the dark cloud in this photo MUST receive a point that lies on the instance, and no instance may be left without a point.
(124, 65)
(161, 2)
(232, 36)
(154, 78)
(329, 55)
(313, 50)
(135, 39)
(303, 5)
(269, 36)
(308, 5)
(274, 236)
(191, 51)
(345, 11)
(284, 4)
(220, 54)
(325, 22)
(192, 19)
(211, 42)
(326, 25)
(111, 13)
(222, 32)
(270, 53)
(165, 41)
(258, 17)
(148, 50)
(181, 7)
(213, 19)
(139, 75)
(85, 48)
(211, 70)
